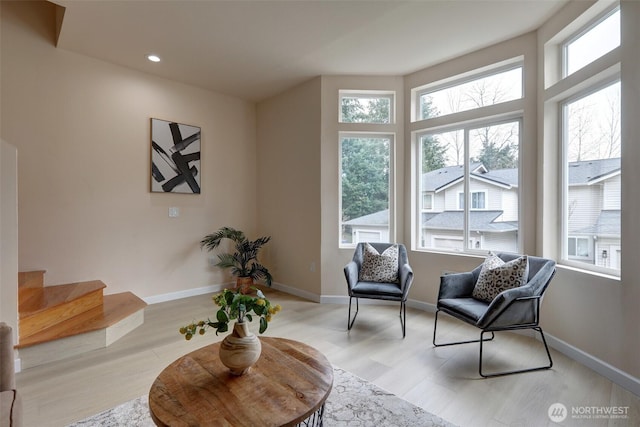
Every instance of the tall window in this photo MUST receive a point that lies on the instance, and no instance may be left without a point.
(592, 178)
(471, 174)
(365, 168)
(591, 149)
(469, 171)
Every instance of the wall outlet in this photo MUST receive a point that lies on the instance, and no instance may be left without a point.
(174, 212)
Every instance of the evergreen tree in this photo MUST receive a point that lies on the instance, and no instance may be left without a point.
(365, 176)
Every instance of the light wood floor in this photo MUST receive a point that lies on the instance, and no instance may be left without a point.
(443, 381)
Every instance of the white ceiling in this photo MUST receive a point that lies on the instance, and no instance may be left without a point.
(256, 49)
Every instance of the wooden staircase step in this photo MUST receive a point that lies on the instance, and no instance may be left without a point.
(31, 279)
(43, 308)
(115, 308)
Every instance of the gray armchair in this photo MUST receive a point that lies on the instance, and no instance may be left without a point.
(393, 291)
(513, 309)
(10, 399)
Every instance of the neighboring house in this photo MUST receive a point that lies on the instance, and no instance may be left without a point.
(594, 212)
(369, 228)
(593, 206)
(493, 214)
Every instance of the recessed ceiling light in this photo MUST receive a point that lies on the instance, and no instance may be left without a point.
(153, 58)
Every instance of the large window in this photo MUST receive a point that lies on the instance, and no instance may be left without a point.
(469, 171)
(471, 174)
(365, 171)
(592, 207)
(591, 146)
(497, 86)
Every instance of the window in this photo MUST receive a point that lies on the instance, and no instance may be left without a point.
(366, 107)
(501, 85)
(579, 247)
(365, 171)
(427, 201)
(588, 45)
(477, 200)
(591, 192)
(465, 169)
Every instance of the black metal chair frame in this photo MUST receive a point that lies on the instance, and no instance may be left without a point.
(533, 325)
(403, 314)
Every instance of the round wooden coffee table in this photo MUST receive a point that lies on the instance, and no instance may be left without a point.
(288, 385)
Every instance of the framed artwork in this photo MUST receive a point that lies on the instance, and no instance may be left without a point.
(175, 157)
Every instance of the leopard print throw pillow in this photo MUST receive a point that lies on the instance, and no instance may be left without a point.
(497, 276)
(379, 267)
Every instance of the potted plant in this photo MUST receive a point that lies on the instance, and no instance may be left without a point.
(240, 349)
(235, 305)
(243, 262)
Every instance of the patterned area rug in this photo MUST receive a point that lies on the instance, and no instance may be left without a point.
(353, 402)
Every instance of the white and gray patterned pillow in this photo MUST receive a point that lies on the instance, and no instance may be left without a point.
(378, 267)
(497, 276)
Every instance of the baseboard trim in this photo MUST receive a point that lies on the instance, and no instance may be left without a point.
(297, 292)
(171, 296)
(616, 375)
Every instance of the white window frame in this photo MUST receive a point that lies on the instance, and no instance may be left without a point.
(558, 90)
(368, 94)
(575, 261)
(466, 127)
(581, 32)
(458, 80)
(392, 144)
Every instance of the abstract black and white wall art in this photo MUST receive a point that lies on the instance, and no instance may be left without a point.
(175, 157)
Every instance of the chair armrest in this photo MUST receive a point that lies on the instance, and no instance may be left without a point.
(406, 279)
(508, 304)
(456, 285)
(351, 274)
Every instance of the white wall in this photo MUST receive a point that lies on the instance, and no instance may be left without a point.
(82, 130)
(9, 236)
(288, 184)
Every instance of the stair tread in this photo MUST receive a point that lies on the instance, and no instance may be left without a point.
(31, 279)
(36, 300)
(116, 308)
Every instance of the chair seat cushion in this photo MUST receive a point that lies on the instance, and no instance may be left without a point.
(497, 276)
(469, 309)
(378, 267)
(368, 289)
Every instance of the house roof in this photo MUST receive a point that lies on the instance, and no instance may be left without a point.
(591, 171)
(608, 224)
(439, 179)
(479, 221)
(376, 218)
(580, 173)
